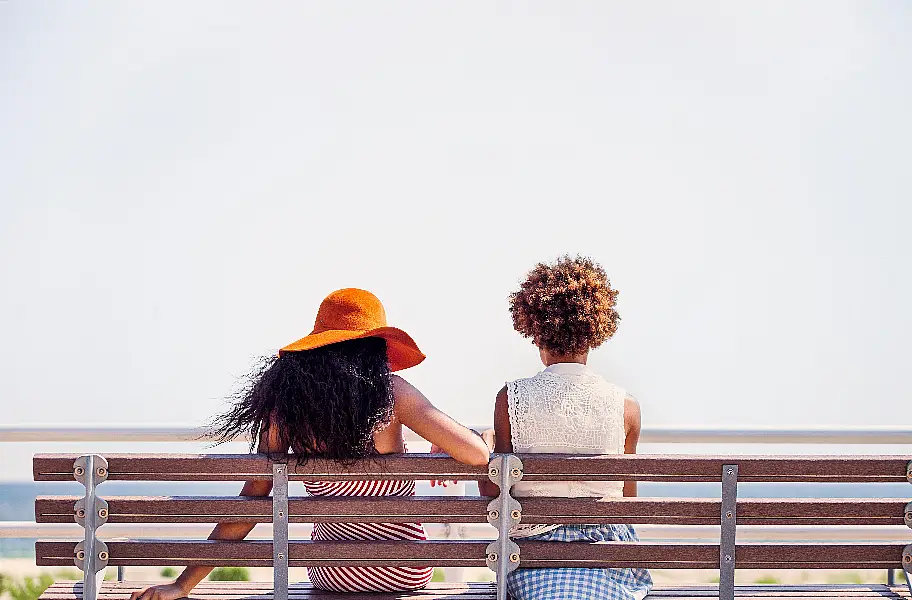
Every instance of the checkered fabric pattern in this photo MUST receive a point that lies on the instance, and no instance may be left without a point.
(581, 584)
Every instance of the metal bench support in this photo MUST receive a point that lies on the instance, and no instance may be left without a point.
(729, 529)
(91, 512)
(280, 530)
(504, 512)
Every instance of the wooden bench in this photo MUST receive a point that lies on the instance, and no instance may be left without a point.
(502, 555)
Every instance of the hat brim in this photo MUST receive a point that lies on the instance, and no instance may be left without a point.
(401, 349)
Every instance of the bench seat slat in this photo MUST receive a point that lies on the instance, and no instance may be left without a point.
(472, 553)
(478, 591)
(538, 467)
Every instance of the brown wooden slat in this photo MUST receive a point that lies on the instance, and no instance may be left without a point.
(706, 556)
(259, 553)
(240, 467)
(443, 509)
(538, 467)
(209, 509)
(471, 553)
(544, 467)
(476, 591)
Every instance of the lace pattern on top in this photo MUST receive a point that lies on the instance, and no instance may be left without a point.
(575, 412)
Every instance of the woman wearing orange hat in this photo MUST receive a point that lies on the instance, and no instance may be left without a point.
(332, 394)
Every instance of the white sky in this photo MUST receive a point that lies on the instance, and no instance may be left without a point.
(182, 183)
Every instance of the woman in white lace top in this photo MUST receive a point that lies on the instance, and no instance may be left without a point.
(567, 309)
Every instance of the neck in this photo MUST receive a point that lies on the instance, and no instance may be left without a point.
(551, 359)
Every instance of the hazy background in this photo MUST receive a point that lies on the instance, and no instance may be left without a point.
(182, 183)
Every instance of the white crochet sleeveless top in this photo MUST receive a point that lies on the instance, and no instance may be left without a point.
(566, 409)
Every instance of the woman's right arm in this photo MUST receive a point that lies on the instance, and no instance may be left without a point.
(417, 413)
(270, 442)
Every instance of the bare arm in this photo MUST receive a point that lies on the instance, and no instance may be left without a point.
(632, 422)
(271, 442)
(503, 441)
(417, 413)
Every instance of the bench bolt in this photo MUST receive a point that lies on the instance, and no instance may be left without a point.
(515, 514)
(80, 555)
(80, 513)
(494, 515)
(514, 558)
(102, 555)
(79, 471)
(103, 513)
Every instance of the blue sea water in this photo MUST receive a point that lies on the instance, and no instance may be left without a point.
(17, 500)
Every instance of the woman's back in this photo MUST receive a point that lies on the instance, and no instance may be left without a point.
(567, 408)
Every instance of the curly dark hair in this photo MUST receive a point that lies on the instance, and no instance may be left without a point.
(325, 402)
(566, 307)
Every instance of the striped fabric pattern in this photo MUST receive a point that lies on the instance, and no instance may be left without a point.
(367, 579)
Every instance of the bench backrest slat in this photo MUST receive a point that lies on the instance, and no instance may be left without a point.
(537, 467)
(471, 554)
(443, 509)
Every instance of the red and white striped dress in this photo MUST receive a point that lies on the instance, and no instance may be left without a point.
(367, 579)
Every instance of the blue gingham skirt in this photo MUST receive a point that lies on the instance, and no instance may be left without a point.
(581, 584)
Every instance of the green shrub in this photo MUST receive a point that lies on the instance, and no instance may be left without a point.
(846, 577)
(168, 572)
(230, 574)
(29, 588)
(767, 579)
(68, 575)
(438, 575)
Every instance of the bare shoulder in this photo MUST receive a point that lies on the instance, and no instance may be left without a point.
(402, 388)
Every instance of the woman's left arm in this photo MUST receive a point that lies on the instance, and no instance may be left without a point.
(632, 423)
(270, 442)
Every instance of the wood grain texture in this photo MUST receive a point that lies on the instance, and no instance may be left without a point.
(444, 509)
(471, 554)
(537, 467)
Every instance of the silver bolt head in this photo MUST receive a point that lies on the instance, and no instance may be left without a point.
(516, 514)
(492, 557)
(103, 513)
(79, 471)
(729, 515)
(101, 471)
(516, 472)
(281, 555)
(494, 514)
(728, 558)
(103, 555)
(80, 513)
(80, 555)
(493, 472)
(907, 559)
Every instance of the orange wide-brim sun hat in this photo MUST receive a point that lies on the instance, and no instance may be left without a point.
(352, 314)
